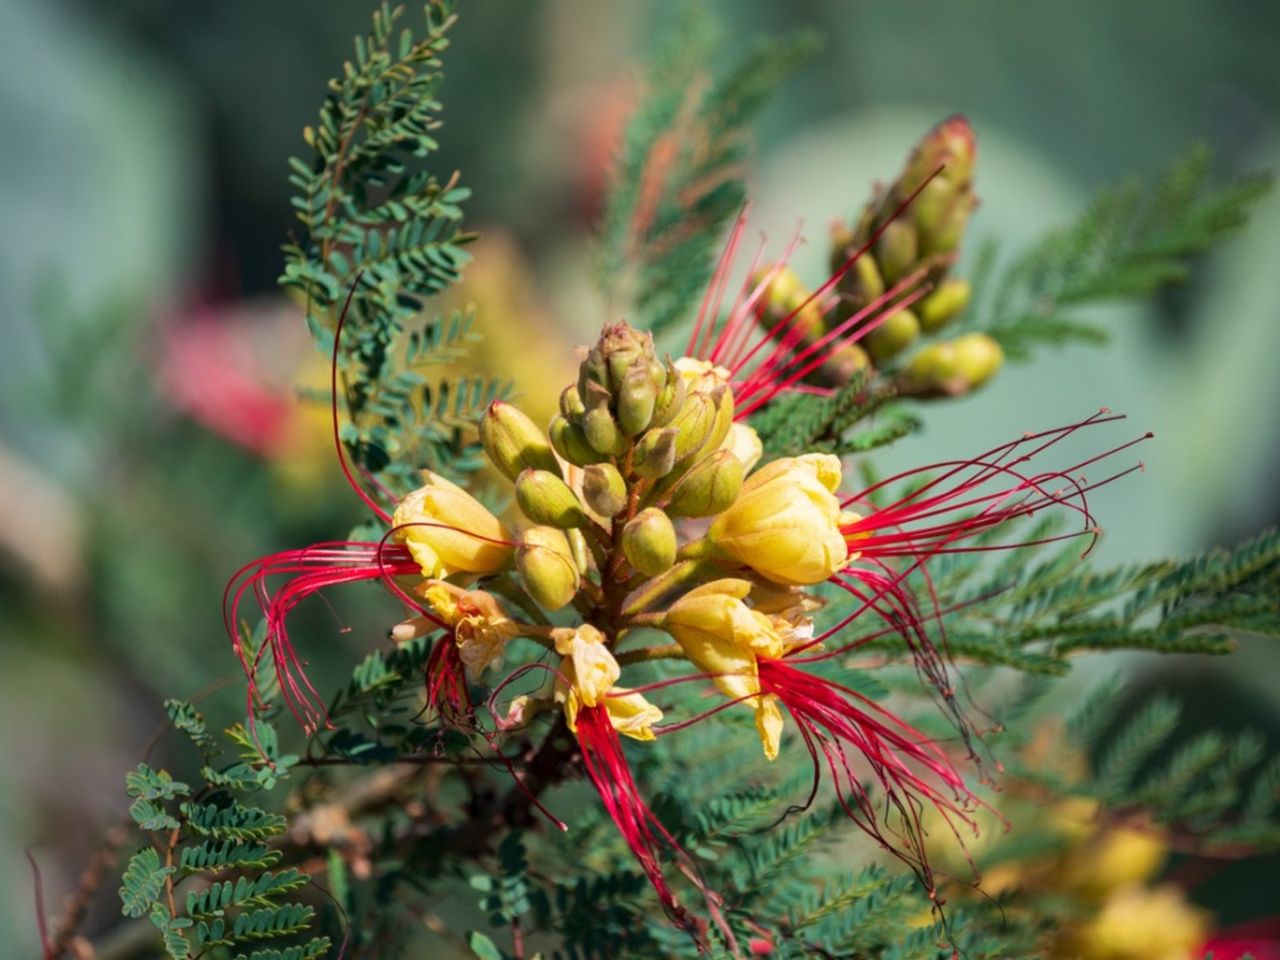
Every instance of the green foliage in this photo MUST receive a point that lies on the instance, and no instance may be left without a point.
(1133, 240)
(797, 423)
(221, 847)
(384, 235)
(678, 178)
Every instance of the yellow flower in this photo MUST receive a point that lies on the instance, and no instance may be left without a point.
(592, 665)
(722, 635)
(481, 628)
(449, 531)
(1137, 923)
(769, 725)
(701, 376)
(744, 443)
(785, 524)
(1118, 857)
(587, 676)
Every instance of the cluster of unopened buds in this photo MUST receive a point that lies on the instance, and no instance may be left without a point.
(647, 505)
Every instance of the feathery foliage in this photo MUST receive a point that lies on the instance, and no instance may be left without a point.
(678, 178)
(1133, 240)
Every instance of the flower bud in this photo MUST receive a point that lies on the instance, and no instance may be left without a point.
(603, 489)
(670, 397)
(447, 530)
(581, 553)
(571, 443)
(784, 297)
(571, 404)
(636, 399)
(978, 358)
(896, 250)
(655, 454)
(943, 305)
(546, 566)
(602, 432)
(649, 542)
(892, 336)
(744, 443)
(709, 486)
(785, 524)
(513, 442)
(546, 499)
(953, 368)
(620, 348)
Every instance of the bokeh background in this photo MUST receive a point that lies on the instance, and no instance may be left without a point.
(143, 202)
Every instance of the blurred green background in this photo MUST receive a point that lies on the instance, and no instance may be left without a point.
(142, 192)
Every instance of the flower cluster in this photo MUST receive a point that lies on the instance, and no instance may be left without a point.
(647, 504)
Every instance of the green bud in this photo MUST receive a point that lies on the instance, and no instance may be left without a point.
(513, 442)
(546, 566)
(546, 499)
(978, 358)
(581, 552)
(636, 399)
(571, 404)
(655, 454)
(603, 489)
(670, 398)
(619, 348)
(602, 432)
(694, 424)
(649, 542)
(953, 368)
(571, 443)
(710, 486)
(782, 298)
(893, 336)
(945, 303)
(896, 250)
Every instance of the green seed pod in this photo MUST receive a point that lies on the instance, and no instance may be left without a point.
(546, 499)
(546, 566)
(649, 542)
(636, 399)
(943, 305)
(571, 443)
(603, 489)
(513, 442)
(893, 336)
(655, 454)
(709, 487)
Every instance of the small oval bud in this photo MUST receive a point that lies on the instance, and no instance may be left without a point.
(571, 404)
(670, 398)
(546, 499)
(581, 552)
(655, 454)
(896, 250)
(603, 489)
(943, 305)
(649, 542)
(892, 336)
(709, 487)
(636, 399)
(978, 358)
(513, 442)
(786, 297)
(602, 432)
(545, 563)
(571, 443)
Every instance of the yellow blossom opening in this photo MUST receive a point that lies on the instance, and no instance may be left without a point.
(448, 531)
